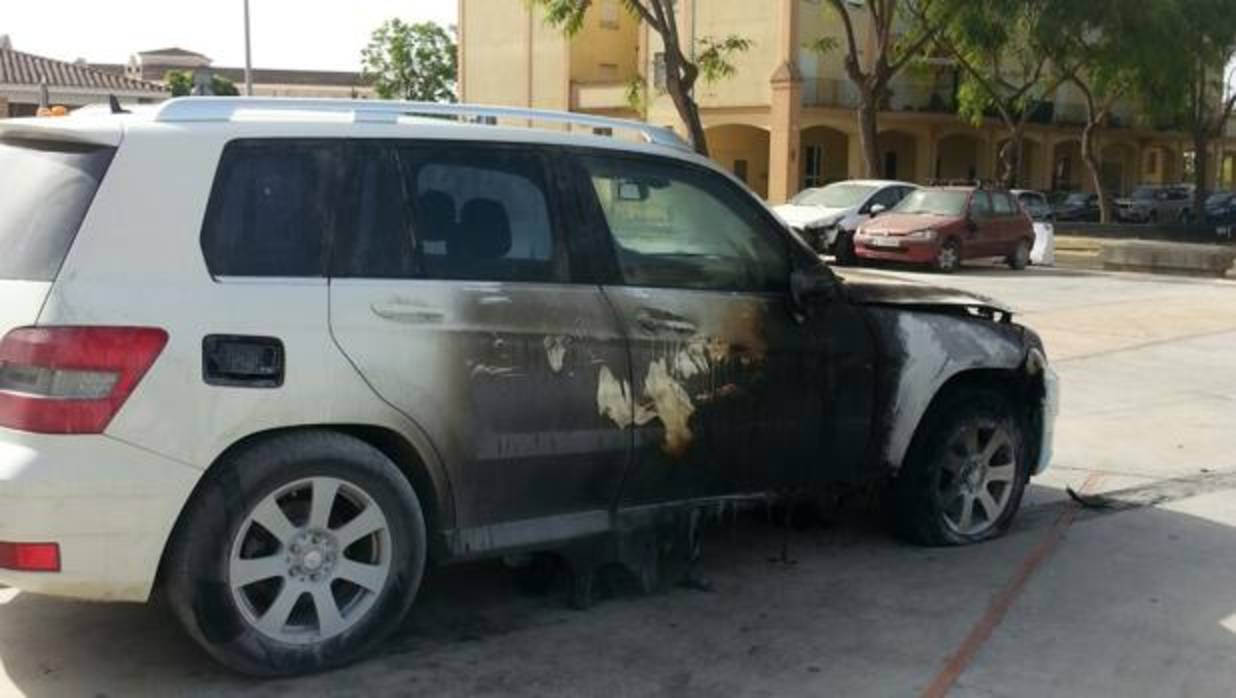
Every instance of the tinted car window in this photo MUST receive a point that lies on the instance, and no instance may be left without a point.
(375, 239)
(45, 191)
(675, 226)
(980, 205)
(271, 208)
(1002, 204)
(480, 213)
(888, 197)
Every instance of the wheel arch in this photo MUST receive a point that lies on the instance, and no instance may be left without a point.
(431, 488)
(1024, 386)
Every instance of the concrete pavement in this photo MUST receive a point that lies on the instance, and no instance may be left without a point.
(1133, 600)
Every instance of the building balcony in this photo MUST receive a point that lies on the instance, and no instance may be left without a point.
(830, 93)
(599, 96)
(907, 96)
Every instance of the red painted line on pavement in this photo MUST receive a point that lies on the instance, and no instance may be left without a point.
(1000, 605)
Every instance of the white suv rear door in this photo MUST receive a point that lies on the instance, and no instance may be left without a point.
(452, 294)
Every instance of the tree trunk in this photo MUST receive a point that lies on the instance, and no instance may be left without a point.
(1201, 163)
(689, 111)
(1096, 175)
(1011, 156)
(868, 132)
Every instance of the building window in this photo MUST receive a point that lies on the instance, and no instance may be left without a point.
(658, 70)
(603, 131)
(813, 166)
(1152, 168)
(609, 70)
(610, 13)
(890, 165)
(740, 171)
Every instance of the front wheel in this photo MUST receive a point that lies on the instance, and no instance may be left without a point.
(299, 553)
(948, 257)
(843, 248)
(965, 474)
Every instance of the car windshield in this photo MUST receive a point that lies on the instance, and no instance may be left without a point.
(1219, 197)
(835, 196)
(1030, 199)
(1077, 199)
(935, 202)
(1142, 193)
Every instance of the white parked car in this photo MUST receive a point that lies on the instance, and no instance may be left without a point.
(826, 217)
(282, 356)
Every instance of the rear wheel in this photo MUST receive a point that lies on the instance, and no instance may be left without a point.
(965, 474)
(298, 554)
(1020, 259)
(948, 257)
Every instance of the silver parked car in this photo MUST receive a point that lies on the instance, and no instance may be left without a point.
(1156, 204)
(826, 217)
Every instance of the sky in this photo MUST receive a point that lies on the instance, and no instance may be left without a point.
(305, 34)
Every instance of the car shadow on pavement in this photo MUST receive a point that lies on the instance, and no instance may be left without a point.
(841, 609)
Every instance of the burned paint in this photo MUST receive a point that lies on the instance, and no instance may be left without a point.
(556, 351)
(672, 405)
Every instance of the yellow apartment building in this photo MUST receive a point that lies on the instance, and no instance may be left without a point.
(786, 119)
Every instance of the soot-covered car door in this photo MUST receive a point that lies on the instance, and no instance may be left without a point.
(453, 294)
(732, 391)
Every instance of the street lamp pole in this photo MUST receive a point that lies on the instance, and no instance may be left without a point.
(248, 55)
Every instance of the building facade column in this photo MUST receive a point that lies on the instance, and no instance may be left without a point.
(785, 133)
(4, 107)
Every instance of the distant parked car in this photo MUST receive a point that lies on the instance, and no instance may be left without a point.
(1156, 204)
(1078, 206)
(942, 226)
(1221, 208)
(1035, 204)
(826, 217)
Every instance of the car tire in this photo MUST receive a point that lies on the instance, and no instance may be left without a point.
(946, 474)
(1020, 259)
(256, 543)
(843, 249)
(948, 257)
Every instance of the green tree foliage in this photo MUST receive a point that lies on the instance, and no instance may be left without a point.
(223, 87)
(180, 83)
(416, 62)
(1005, 66)
(1189, 87)
(1108, 49)
(900, 37)
(713, 61)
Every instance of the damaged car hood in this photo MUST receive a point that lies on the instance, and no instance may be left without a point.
(873, 288)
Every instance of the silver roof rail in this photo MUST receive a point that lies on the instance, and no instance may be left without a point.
(187, 109)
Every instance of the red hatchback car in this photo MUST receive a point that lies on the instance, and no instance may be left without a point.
(942, 226)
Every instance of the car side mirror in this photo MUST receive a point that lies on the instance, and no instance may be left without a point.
(810, 283)
(971, 224)
(877, 209)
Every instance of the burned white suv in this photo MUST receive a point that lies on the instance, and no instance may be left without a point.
(279, 357)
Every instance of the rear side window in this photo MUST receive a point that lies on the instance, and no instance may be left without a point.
(45, 190)
(1003, 204)
(480, 214)
(271, 208)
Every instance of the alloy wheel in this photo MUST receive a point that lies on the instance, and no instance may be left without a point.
(977, 480)
(309, 560)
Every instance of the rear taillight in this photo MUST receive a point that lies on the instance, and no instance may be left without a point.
(30, 557)
(72, 380)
